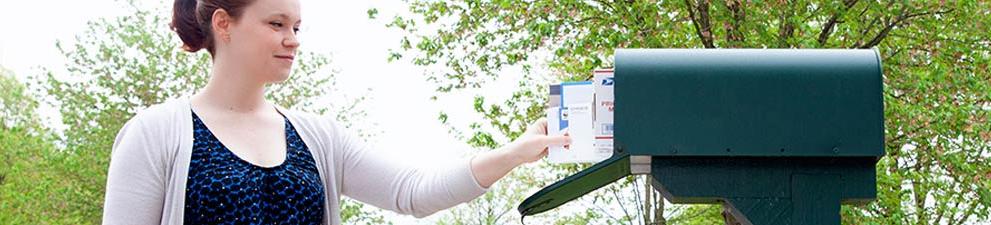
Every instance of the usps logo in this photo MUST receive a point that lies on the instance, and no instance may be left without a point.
(607, 82)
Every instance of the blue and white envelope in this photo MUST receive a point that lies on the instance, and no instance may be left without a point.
(575, 116)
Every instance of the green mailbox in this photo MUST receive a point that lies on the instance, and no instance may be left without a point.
(778, 136)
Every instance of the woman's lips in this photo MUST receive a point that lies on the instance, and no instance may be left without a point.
(287, 58)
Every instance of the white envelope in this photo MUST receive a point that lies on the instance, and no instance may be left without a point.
(574, 117)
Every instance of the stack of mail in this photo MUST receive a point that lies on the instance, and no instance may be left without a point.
(584, 111)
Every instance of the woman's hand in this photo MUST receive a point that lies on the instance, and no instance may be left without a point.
(530, 146)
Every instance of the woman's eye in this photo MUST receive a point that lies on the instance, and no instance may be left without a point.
(295, 29)
(276, 24)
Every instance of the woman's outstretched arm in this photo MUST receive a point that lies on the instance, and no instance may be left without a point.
(489, 167)
(370, 176)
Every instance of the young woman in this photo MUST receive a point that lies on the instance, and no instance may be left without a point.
(226, 155)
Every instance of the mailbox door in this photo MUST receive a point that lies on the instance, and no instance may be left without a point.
(576, 185)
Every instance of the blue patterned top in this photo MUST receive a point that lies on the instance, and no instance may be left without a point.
(224, 189)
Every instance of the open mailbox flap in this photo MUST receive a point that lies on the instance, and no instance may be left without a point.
(576, 185)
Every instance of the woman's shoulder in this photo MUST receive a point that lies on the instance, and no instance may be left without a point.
(156, 125)
(160, 114)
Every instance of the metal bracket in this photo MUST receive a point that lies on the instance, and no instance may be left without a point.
(639, 164)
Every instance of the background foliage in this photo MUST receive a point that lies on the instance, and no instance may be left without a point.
(936, 81)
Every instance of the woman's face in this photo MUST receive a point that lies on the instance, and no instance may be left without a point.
(263, 39)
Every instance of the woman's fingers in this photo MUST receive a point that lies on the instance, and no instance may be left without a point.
(562, 140)
(540, 141)
(538, 127)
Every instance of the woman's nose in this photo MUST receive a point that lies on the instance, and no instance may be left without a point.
(290, 41)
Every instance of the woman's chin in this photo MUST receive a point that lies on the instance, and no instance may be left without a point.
(280, 77)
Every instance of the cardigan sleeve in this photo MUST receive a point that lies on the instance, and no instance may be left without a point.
(135, 191)
(372, 177)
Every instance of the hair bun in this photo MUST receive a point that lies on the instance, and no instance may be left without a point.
(187, 25)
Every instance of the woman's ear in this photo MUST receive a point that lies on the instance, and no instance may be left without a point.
(222, 24)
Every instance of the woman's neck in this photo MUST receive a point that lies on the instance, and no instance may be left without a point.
(233, 92)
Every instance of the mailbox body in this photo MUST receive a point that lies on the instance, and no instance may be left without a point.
(749, 102)
(780, 136)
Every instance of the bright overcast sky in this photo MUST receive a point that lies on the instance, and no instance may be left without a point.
(400, 113)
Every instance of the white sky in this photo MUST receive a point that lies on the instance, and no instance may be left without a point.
(400, 113)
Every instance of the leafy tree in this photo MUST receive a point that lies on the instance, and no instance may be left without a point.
(115, 68)
(19, 107)
(22, 139)
(935, 61)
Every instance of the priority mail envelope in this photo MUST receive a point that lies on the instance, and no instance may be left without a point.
(603, 126)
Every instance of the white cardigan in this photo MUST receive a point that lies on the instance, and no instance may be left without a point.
(146, 183)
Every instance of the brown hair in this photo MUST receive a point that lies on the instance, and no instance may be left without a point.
(192, 19)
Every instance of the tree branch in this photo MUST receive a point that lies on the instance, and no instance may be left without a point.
(701, 22)
(905, 134)
(897, 21)
(733, 34)
(941, 212)
(786, 30)
(606, 4)
(827, 29)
